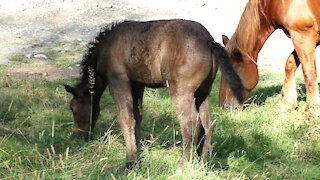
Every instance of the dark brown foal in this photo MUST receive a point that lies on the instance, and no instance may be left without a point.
(177, 54)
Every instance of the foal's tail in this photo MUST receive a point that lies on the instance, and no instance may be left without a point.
(231, 76)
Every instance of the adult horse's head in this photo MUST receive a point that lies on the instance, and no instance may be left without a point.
(299, 20)
(85, 112)
(243, 49)
(245, 66)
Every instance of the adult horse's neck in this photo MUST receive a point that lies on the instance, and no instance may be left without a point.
(253, 30)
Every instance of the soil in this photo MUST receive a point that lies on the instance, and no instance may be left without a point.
(29, 27)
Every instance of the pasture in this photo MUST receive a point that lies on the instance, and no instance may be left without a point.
(258, 142)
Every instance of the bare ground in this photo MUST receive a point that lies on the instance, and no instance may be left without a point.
(30, 27)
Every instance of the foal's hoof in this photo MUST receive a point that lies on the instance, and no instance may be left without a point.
(180, 167)
(129, 166)
(179, 170)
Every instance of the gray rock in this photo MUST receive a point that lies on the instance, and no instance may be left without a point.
(40, 56)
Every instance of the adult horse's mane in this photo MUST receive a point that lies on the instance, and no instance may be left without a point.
(248, 27)
(90, 58)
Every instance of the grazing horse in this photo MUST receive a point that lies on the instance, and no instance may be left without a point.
(300, 20)
(180, 55)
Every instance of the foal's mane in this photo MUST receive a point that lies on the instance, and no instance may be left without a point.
(91, 56)
(248, 27)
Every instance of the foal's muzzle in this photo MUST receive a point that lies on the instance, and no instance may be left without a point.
(80, 134)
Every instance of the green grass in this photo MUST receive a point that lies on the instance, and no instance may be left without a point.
(258, 142)
(18, 58)
(65, 54)
(61, 54)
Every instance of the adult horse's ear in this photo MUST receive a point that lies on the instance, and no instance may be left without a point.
(69, 89)
(225, 39)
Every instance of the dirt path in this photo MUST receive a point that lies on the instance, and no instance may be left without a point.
(29, 27)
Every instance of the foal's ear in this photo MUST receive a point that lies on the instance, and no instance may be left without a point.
(225, 39)
(69, 89)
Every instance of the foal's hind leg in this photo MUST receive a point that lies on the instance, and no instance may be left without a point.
(187, 115)
(204, 137)
(137, 96)
(289, 92)
(121, 92)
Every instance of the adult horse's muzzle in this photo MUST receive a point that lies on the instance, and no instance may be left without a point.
(233, 103)
(228, 100)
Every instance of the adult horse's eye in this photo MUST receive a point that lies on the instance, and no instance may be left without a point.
(237, 55)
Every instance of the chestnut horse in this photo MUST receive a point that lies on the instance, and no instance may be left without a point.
(180, 55)
(300, 20)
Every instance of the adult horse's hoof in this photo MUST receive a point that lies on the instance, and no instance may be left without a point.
(285, 106)
(312, 112)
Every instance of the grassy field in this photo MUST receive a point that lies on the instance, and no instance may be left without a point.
(258, 142)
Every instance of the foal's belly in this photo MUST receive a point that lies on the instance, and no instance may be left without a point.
(147, 74)
(149, 85)
(143, 66)
(145, 78)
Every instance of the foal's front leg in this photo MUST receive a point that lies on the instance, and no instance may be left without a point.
(120, 90)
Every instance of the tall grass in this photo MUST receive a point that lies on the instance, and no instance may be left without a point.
(258, 142)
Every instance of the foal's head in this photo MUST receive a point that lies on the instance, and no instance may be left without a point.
(85, 112)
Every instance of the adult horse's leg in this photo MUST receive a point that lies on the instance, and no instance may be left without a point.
(120, 89)
(137, 96)
(289, 92)
(305, 47)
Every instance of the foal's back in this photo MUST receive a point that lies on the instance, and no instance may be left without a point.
(155, 51)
